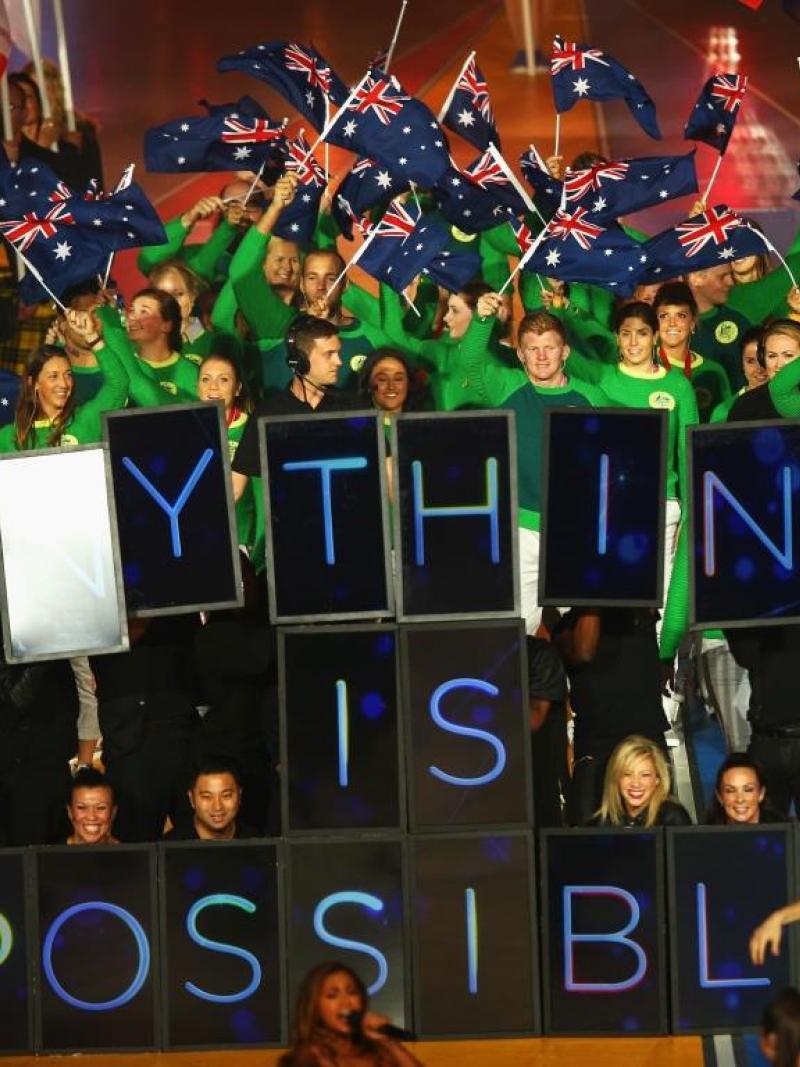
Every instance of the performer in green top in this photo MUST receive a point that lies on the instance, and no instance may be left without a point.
(46, 415)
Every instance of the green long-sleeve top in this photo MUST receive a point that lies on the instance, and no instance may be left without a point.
(718, 336)
(85, 424)
(150, 384)
(766, 298)
(204, 258)
(246, 524)
(785, 390)
(664, 390)
(709, 381)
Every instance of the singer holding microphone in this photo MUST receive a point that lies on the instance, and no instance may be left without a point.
(333, 1026)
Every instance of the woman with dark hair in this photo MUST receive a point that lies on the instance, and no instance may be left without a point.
(636, 788)
(46, 414)
(739, 793)
(150, 348)
(39, 137)
(332, 1026)
(387, 380)
(780, 1029)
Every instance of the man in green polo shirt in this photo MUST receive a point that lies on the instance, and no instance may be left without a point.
(719, 328)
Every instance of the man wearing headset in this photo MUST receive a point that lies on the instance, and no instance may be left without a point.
(313, 355)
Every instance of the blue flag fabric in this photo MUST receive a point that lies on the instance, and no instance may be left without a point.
(404, 245)
(298, 220)
(709, 239)
(384, 123)
(609, 190)
(576, 249)
(470, 205)
(469, 112)
(366, 184)
(713, 117)
(546, 189)
(298, 72)
(245, 105)
(453, 270)
(583, 73)
(222, 141)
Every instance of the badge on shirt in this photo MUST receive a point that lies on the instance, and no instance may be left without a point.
(662, 401)
(461, 236)
(171, 387)
(357, 362)
(726, 332)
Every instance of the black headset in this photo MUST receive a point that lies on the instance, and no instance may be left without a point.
(296, 359)
(792, 328)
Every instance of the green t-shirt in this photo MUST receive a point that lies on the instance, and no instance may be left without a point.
(718, 336)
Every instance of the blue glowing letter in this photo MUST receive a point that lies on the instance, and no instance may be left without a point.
(325, 466)
(141, 944)
(617, 937)
(471, 908)
(343, 731)
(217, 899)
(710, 483)
(602, 517)
(6, 939)
(366, 900)
(467, 731)
(706, 981)
(421, 512)
(172, 510)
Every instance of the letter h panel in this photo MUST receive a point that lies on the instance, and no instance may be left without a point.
(603, 922)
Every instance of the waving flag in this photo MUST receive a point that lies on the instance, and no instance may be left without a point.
(298, 72)
(222, 141)
(384, 123)
(546, 189)
(609, 190)
(366, 184)
(714, 115)
(583, 73)
(453, 270)
(468, 111)
(576, 249)
(477, 198)
(298, 220)
(714, 237)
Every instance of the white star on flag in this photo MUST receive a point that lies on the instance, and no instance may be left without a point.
(349, 128)
(306, 198)
(726, 253)
(581, 86)
(552, 258)
(599, 204)
(97, 222)
(663, 194)
(406, 129)
(310, 98)
(63, 251)
(466, 118)
(402, 161)
(609, 252)
(181, 160)
(184, 127)
(242, 152)
(455, 181)
(383, 179)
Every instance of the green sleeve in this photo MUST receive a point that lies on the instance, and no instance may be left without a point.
(113, 330)
(496, 382)
(494, 263)
(784, 390)
(144, 391)
(86, 424)
(687, 416)
(722, 410)
(676, 607)
(203, 258)
(152, 255)
(223, 316)
(326, 232)
(266, 314)
(362, 304)
(588, 370)
(393, 327)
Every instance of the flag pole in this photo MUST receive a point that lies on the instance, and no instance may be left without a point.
(558, 133)
(27, 263)
(412, 305)
(359, 252)
(36, 55)
(509, 173)
(713, 178)
(331, 122)
(327, 155)
(523, 260)
(255, 182)
(398, 24)
(527, 33)
(5, 105)
(772, 248)
(63, 64)
(453, 88)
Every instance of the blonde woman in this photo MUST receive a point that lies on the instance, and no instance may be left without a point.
(636, 788)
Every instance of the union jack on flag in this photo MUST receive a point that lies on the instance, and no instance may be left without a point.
(23, 232)
(376, 95)
(396, 221)
(567, 55)
(486, 171)
(61, 192)
(467, 110)
(592, 179)
(317, 74)
(523, 234)
(472, 82)
(254, 131)
(729, 89)
(362, 166)
(93, 191)
(714, 226)
(563, 225)
(302, 163)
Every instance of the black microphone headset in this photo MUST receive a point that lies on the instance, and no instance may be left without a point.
(356, 1018)
(296, 358)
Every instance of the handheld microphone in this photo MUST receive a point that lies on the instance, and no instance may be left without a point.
(355, 1020)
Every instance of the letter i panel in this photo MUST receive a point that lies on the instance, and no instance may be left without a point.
(326, 515)
(603, 925)
(347, 901)
(468, 739)
(174, 506)
(455, 517)
(340, 753)
(16, 1007)
(723, 882)
(603, 503)
(473, 935)
(222, 963)
(744, 481)
(98, 931)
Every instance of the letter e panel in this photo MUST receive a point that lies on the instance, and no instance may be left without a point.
(723, 882)
(603, 924)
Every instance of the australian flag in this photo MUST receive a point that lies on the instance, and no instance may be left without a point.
(298, 220)
(469, 111)
(714, 115)
(547, 190)
(452, 270)
(474, 206)
(232, 140)
(384, 123)
(576, 249)
(709, 239)
(297, 71)
(365, 185)
(609, 190)
(402, 245)
(583, 73)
